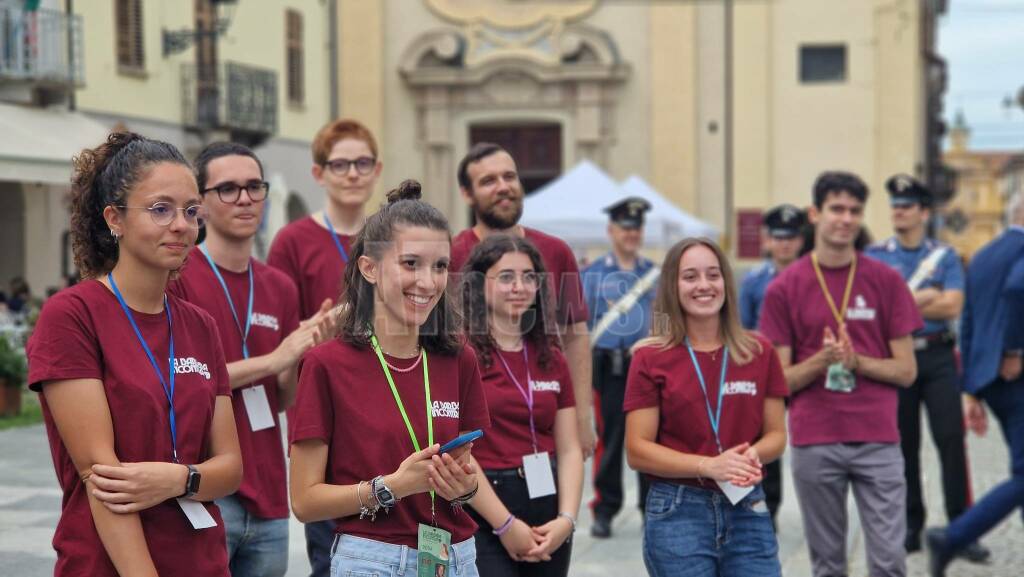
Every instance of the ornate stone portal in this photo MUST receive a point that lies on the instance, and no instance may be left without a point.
(506, 62)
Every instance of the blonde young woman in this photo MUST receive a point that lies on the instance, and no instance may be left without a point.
(705, 411)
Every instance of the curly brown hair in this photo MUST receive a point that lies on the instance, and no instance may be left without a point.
(538, 322)
(103, 176)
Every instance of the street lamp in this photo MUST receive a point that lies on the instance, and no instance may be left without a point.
(176, 41)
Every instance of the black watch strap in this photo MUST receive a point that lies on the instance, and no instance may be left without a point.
(192, 482)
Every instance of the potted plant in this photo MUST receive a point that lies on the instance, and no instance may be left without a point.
(12, 378)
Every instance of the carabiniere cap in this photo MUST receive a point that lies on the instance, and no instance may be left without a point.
(628, 212)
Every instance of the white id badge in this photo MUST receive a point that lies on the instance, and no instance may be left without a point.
(196, 513)
(258, 408)
(539, 480)
(732, 492)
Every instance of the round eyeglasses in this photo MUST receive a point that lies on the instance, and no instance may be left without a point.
(230, 192)
(163, 213)
(508, 278)
(340, 166)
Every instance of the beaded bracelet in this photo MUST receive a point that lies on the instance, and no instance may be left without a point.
(505, 527)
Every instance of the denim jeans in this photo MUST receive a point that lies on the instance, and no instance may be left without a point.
(693, 532)
(358, 557)
(256, 547)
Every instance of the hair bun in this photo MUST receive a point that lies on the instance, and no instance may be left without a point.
(408, 190)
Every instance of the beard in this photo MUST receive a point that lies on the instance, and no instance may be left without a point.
(493, 219)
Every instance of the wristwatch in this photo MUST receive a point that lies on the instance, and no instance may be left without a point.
(191, 482)
(382, 493)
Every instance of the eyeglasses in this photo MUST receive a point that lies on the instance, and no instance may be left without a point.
(230, 192)
(508, 278)
(339, 166)
(163, 213)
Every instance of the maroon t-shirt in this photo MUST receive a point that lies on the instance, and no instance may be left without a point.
(881, 309)
(508, 439)
(560, 262)
(275, 314)
(667, 379)
(305, 252)
(344, 399)
(82, 333)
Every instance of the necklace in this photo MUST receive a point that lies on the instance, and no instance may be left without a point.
(419, 358)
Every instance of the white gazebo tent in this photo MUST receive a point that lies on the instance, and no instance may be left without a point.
(572, 208)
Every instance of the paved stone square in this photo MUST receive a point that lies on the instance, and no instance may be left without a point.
(30, 506)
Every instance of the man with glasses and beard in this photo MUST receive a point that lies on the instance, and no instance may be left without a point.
(490, 185)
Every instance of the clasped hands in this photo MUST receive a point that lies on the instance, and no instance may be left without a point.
(535, 544)
(839, 349)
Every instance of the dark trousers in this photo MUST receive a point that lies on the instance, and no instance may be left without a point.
(937, 389)
(491, 557)
(609, 378)
(319, 539)
(1006, 401)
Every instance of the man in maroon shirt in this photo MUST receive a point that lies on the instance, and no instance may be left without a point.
(490, 185)
(256, 309)
(314, 250)
(842, 324)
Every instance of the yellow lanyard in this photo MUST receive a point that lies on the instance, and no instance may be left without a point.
(839, 314)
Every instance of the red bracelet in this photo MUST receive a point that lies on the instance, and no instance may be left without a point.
(505, 526)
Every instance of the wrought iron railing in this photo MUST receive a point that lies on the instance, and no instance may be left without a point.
(237, 97)
(40, 46)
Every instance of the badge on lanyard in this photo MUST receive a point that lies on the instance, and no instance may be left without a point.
(540, 482)
(839, 379)
(434, 555)
(732, 492)
(196, 513)
(257, 407)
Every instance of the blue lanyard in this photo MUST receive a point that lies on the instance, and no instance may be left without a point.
(168, 390)
(715, 418)
(334, 237)
(231, 303)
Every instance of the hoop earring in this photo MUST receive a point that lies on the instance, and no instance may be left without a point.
(115, 235)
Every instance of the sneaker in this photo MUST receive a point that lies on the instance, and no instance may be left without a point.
(601, 528)
(938, 552)
(975, 553)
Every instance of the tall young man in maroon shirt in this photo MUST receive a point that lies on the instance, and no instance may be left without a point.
(842, 324)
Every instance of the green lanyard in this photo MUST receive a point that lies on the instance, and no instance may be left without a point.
(401, 406)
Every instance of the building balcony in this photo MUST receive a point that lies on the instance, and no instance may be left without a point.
(40, 54)
(230, 97)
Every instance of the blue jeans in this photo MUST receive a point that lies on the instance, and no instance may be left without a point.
(693, 532)
(257, 547)
(358, 557)
(1006, 399)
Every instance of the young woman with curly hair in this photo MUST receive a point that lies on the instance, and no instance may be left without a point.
(133, 383)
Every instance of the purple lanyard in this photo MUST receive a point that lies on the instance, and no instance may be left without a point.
(526, 392)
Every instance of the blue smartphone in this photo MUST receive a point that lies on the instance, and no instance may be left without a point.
(461, 440)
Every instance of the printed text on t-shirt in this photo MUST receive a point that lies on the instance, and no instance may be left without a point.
(266, 321)
(447, 409)
(184, 366)
(740, 388)
(552, 386)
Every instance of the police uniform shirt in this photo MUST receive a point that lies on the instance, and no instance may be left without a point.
(604, 284)
(948, 273)
(752, 290)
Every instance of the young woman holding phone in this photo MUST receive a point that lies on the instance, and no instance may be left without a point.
(374, 405)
